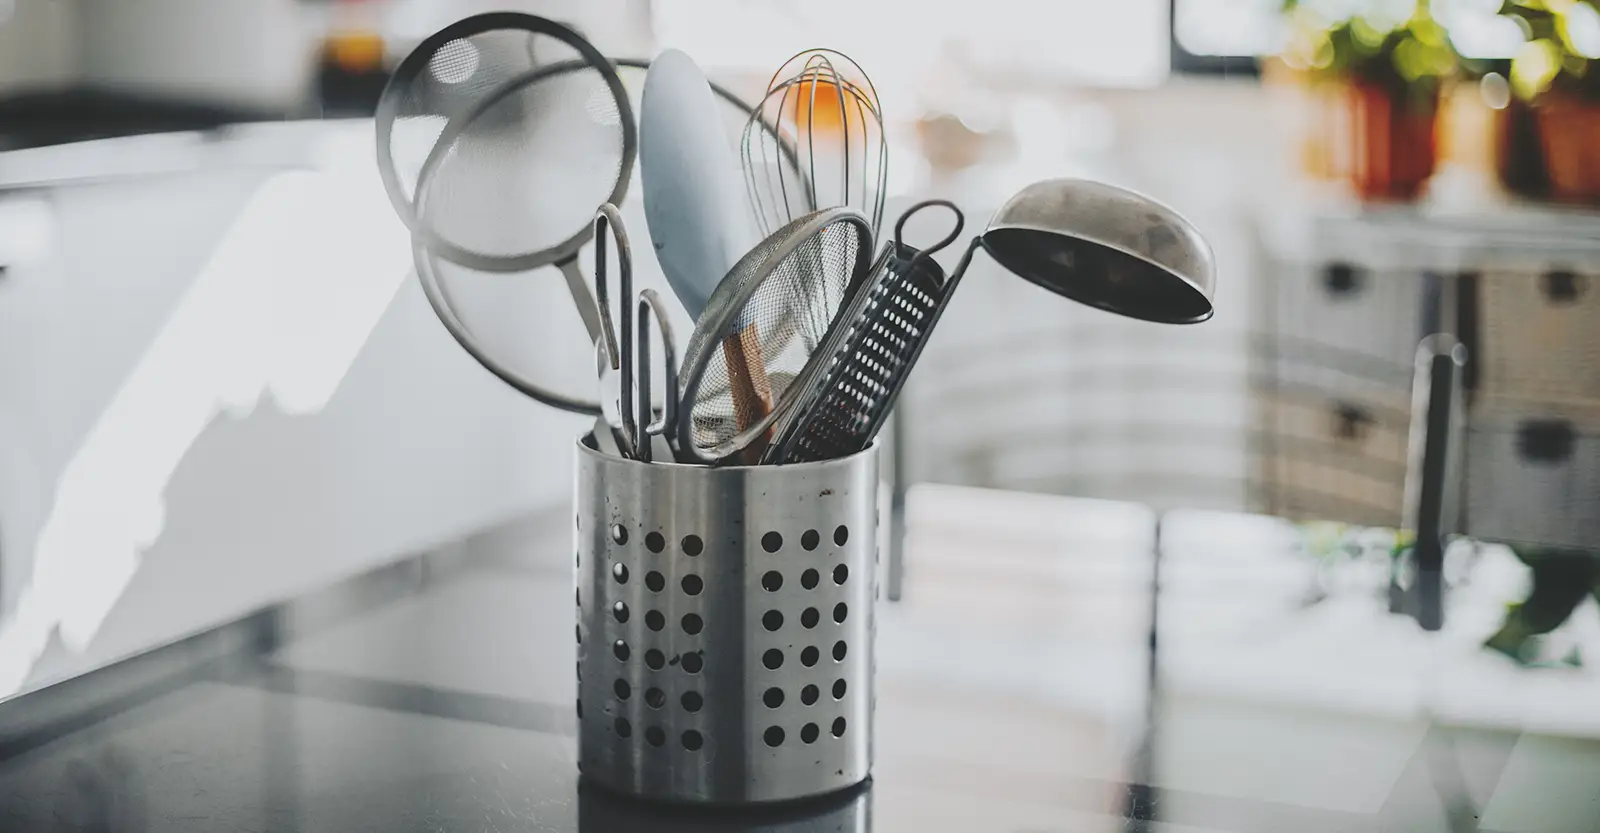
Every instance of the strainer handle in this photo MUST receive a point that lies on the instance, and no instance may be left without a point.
(440, 302)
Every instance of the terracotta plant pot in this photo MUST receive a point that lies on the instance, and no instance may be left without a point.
(1389, 148)
(1569, 133)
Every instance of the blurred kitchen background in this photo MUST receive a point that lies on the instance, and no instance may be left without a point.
(221, 387)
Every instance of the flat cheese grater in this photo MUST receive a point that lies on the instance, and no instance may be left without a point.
(875, 344)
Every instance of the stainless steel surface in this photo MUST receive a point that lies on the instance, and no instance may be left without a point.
(605, 435)
(848, 812)
(657, 436)
(725, 627)
(782, 297)
(816, 141)
(617, 395)
(1106, 247)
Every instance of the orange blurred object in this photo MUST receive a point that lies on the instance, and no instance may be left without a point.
(820, 104)
(355, 52)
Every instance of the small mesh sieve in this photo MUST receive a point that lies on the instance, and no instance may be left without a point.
(762, 326)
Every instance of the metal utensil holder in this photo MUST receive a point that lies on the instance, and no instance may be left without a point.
(725, 627)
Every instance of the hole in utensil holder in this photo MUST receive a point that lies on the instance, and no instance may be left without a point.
(1546, 441)
(772, 542)
(693, 740)
(655, 659)
(692, 663)
(654, 620)
(773, 736)
(809, 695)
(655, 543)
(809, 579)
(692, 545)
(809, 618)
(810, 539)
(809, 733)
(772, 620)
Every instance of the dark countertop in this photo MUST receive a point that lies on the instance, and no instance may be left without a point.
(1014, 694)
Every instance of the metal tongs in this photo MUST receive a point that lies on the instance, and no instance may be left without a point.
(629, 425)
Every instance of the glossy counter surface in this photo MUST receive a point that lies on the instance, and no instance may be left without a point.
(1015, 694)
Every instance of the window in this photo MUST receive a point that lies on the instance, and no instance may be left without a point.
(1120, 43)
(1230, 35)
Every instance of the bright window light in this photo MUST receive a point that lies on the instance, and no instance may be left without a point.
(1091, 41)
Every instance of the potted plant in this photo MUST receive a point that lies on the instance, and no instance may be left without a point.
(1388, 63)
(1556, 73)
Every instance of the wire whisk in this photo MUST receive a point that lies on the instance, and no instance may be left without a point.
(822, 111)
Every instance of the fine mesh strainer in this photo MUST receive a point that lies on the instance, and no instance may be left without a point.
(761, 327)
(497, 137)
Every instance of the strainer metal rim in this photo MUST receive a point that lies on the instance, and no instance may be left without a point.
(438, 298)
(731, 300)
(417, 61)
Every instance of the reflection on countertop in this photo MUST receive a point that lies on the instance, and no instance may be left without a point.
(1015, 692)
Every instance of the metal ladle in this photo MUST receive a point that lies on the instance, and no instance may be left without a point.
(1103, 246)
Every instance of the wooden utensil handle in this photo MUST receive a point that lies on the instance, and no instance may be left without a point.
(751, 389)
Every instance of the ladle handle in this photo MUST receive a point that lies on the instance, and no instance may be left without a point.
(966, 258)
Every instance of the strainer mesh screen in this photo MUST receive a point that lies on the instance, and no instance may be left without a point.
(532, 140)
(777, 329)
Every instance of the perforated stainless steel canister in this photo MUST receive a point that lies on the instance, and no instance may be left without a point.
(725, 627)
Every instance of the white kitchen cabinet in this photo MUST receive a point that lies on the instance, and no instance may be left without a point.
(236, 364)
